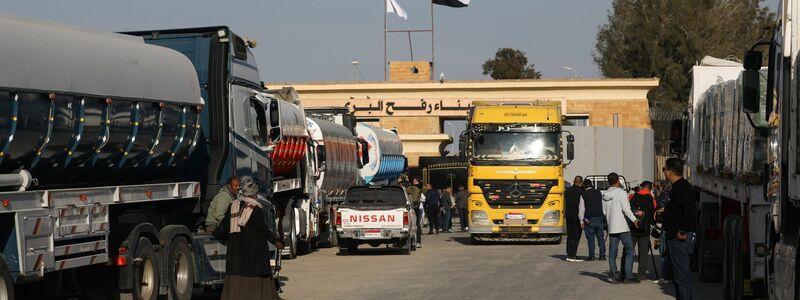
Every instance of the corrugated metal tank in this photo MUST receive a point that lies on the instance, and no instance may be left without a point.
(292, 147)
(338, 147)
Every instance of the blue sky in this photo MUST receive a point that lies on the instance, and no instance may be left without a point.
(316, 40)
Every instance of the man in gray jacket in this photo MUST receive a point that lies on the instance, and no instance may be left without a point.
(617, 208)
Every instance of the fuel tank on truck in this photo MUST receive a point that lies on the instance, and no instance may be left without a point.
(292, 147)
(337, 152)
(386, 159)
(86, 108)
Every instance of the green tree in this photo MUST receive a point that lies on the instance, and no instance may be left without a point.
(665, 38)
(510, 64)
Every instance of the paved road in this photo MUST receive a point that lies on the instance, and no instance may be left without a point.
(449, 267)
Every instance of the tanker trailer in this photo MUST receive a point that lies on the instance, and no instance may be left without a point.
(387, 161)
(338, 159)
(295, 170)
(94, 130)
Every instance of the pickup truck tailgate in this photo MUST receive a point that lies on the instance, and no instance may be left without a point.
(384, 219)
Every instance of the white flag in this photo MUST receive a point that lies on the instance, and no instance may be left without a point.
(393, 8)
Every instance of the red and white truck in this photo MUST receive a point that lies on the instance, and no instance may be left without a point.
(376, 215)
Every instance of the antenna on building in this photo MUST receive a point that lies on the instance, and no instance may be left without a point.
(356, 71)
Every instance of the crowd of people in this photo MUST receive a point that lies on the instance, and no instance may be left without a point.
(437, 206)
(664, 213)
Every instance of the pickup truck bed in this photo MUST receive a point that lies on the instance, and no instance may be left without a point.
(376, 215)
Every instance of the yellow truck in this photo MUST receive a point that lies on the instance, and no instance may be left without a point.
(516, 178)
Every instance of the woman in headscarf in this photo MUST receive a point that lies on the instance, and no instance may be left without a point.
(248, 274)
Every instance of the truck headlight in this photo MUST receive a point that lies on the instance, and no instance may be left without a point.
(479, 217)
(551, 217)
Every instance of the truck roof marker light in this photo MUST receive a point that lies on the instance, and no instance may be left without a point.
(83, 198)
(148, 194)
(6, 202)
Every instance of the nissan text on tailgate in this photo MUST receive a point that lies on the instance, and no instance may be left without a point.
(376, 215)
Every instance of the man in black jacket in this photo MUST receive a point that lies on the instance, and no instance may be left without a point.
(572, 199)
(433, 203)
(594, 221)
(680, 216)
(643, 206)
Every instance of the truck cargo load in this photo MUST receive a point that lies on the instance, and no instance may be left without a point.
(385, 152)
(79, 105)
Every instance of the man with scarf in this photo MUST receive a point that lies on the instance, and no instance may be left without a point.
(248, 274)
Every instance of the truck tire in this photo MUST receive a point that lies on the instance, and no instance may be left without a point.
(145, 270)
(732, 256)
(406, 248)
(292, 243)
(6, 283)
(180, 270)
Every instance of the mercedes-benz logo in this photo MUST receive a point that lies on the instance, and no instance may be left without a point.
(515, 190)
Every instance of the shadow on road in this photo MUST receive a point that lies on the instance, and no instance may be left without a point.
(372, 251)
(604, 277)
(559, 257)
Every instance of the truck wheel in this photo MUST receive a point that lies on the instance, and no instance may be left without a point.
(6, 283)
(732, 255)
(181, 270)
(145, 270)
(292, 245)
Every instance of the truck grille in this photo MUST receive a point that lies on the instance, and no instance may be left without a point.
(515, 193)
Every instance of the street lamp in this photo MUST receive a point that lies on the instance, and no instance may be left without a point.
(574, 73)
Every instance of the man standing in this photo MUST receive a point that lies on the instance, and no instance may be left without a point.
(643, 206)
(432, 205)
(414, 192)
(616, 209)
(590, 211)
(572, 198)
(680, 214)
(219, 205)
(461, 200)
(448, 202)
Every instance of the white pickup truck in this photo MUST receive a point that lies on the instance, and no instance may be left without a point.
(376, 215)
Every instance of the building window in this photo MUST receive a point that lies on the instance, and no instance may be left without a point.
(576, 120)
(454, 128)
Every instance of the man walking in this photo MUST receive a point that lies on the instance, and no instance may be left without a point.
(414, 192)
(448, 203)
(643, 206)
(432, 205)
(616, 209)
(680, 216)
(572, 198)
(461, 200)
(590, 211)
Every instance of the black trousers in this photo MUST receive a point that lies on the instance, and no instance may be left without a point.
(418, 212)
(433, 218)
(642, 244)
(573, 237)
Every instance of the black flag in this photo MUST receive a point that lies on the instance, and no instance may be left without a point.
(452, 3)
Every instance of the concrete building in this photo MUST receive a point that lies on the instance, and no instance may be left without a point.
(430, 114)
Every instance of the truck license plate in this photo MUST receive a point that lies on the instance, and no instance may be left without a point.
(515, 216)
(372, 234)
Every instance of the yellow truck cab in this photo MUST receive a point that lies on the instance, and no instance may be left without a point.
(516, 178)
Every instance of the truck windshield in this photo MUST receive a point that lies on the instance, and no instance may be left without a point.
(376, 197)
(518, 146)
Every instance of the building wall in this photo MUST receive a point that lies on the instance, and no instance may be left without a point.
(418, 109)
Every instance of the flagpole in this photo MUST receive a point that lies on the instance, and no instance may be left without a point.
(433, 53)
(385, 32)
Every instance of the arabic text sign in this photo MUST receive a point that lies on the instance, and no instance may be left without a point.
(399, 107)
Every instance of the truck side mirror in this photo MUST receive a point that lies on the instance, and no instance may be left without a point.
(751, 82)
(462, 144)
(363, 150)
(570, 147)
(275, 135)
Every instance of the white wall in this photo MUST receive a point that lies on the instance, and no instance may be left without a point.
(629, 152)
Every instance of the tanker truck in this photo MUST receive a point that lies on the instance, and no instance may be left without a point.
(385, 148)
(341, 155)
(108, 147)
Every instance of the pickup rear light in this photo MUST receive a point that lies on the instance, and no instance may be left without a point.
(338, 219)
(405, 218)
